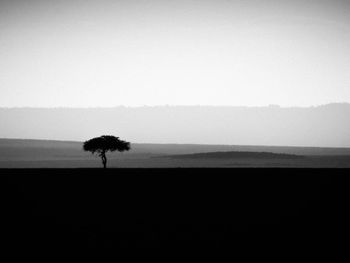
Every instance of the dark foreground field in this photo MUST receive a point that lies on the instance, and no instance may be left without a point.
(75, 208)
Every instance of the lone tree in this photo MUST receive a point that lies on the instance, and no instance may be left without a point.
(105, 143)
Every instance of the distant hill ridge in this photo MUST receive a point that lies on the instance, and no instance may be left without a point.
(235, 155)
(325, 126)
(32, 147)
(63, 154)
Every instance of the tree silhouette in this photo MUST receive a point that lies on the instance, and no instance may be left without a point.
(103, 144)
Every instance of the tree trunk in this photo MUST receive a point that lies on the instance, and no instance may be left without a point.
(104, 160)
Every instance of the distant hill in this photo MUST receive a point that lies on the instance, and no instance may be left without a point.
(30, 149)
(322, 126)
(235, 155)
(19, 153)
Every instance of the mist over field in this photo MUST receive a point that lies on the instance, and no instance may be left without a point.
(321, 126)
(69, 154)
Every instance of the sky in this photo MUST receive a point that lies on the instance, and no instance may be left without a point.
(106, 53)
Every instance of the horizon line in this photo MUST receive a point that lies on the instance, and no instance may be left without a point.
(175, 105)
(194, 144)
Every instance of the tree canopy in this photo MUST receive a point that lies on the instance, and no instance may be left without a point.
(105, 143)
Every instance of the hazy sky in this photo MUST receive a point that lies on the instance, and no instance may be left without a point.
(106, 53)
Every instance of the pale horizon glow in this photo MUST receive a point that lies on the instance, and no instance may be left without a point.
(135, 53)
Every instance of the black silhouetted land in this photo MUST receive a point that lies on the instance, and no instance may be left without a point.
(104, 144)
(196, 207)
(235, 208)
